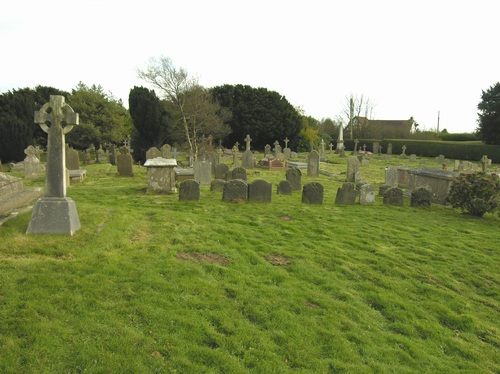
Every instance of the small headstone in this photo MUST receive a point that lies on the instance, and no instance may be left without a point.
(124, 163)
(367, 194)
(393, 196)
(312, 193)
(235, 190)
(285, 188)
(166, 151)
(189, 190)
(313, 164)
(267, 150)
(32, 165)
(72, 159)
(346, 195)
(375, 147)
(383, 188)
(217, 185)
(421, 197)
(294, 176)
(413, 157)
(389, 149)
(391, 176)
(247, 159)
(239, 173)
(221, 171)
(260, 191)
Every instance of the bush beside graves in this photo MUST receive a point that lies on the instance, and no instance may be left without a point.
(466, 151)
(476, 193)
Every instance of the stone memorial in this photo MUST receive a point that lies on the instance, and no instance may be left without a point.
(277, 149)
(294, 176)
(260, 191)
(267, 150)
(55, 213)
(247, 159)
(189, 190)
(235, 190)
(166, 151)
(393, 196)
(421, 197)
(375, 147)
(221, 171)
(14, 195)
(353, 173)
(203, 172)
(239, 173)
(322, 150)
(313, 164)
(154, 152)
(32, 166)
(287, 152)
(346, 195)
(366, 194)
(72, 159)
(340, 140)
(124, 163)
(217, 185)
(389, 149)
(438, 181)
(284, 188)
(312, 193)
(161, 175)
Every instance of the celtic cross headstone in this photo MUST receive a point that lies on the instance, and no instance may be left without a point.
(55, 213)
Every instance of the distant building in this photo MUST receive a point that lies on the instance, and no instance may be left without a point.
(380, 129)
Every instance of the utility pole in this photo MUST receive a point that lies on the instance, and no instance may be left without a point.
(438, 124)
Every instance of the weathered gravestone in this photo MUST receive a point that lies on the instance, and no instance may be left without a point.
(32, 165)
(312, 193)
(389, 149)
(124, 163)
(203, 172)
(366, 194)
(221, 171)
(161, 175)
(346, 195)
(189, 190)
(313, 164)
(353, 173)
(267, 150)
(260, 191)
(14, 196)
(421, 197)
(239, 173)
(235, 190)
(217, 185)
(55, 213)
(285, 188)
(393, 196)
(72, 159)
(375, 147)
(166, 151)
(153, 152)
(294, 176)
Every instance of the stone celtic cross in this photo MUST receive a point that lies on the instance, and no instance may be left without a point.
(248, 140)
(56, 118)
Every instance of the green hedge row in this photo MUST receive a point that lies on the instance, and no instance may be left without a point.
(468, 151)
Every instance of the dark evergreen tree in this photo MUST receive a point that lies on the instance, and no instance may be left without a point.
(264, 115)
(150, 121)
(489, 115)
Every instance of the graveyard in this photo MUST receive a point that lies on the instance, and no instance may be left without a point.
(160, 282)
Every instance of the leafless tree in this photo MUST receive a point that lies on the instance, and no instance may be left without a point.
(355, 107)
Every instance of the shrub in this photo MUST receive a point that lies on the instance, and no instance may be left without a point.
(477, 193)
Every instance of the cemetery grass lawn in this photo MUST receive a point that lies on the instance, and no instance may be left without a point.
(149, 284)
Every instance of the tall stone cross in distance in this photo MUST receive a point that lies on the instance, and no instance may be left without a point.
(55, 213)
(286, 142)
(248, 140)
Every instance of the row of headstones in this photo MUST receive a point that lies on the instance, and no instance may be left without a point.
(259, 190)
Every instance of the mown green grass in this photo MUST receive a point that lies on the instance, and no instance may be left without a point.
(368, 289)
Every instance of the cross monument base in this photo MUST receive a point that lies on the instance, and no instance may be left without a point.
(54, 215)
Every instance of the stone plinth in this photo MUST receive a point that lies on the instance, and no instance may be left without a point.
(161, 175)
(54, 215)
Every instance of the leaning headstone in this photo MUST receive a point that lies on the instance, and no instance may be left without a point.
(203, 172)
(313, 164)
(235, 190)
(221, 171)
(55, 213)
(217, 185)
(353, 174)
(346, 195)
(294, 176)
(124, 163)
(367, 194)
(284, 188)
(312, 193)
(421, 197)
(189, 190)
(32, 165)
(393, 196)
(260, 191)
(153, 152)
(239, 173)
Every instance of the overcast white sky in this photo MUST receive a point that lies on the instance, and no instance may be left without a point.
(410, 58)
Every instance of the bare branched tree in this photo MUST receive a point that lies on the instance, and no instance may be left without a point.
(199, 114)
(356, 106)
